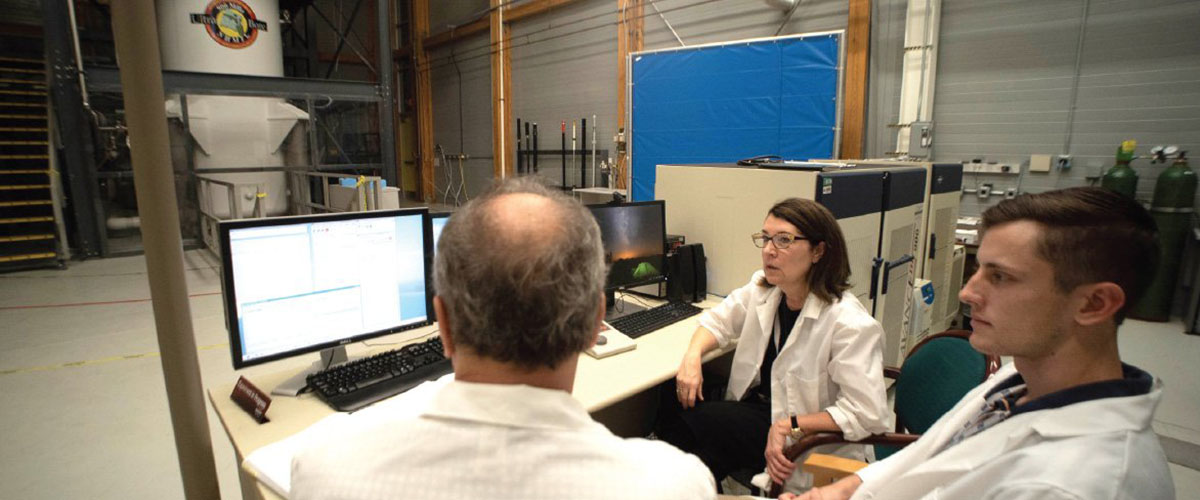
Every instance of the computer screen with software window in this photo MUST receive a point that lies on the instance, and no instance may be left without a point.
(296, 285)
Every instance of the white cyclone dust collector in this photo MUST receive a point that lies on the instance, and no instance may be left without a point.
(240, 37)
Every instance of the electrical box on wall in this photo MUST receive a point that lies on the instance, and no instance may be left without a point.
(1039, 163)
(920, 139)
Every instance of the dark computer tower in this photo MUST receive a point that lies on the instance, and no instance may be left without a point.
(686, 277)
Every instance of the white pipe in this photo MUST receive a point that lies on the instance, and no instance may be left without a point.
(594, 127)
(1066, 150)
(916, 94)
(78, 57)
(791, 6)
(668, 23)
(120, 223)
(572, 150)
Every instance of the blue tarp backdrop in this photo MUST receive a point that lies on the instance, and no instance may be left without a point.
(728, 102)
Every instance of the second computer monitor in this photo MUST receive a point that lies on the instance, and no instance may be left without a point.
(438, 222)
(635, 241)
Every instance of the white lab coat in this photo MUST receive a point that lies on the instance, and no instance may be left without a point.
(832, 361)
(1102, 448)
(495, 441)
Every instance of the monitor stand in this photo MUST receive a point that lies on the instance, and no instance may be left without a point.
(296, 383)
(613, 310)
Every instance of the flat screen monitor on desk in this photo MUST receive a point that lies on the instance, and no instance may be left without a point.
(296, 285)
(635, 243)
(438, 222)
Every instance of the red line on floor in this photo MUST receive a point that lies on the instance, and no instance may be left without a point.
(104, 303)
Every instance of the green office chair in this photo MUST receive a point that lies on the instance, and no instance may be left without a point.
(936, 374)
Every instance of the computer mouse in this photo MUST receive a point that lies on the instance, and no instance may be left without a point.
(601, 340)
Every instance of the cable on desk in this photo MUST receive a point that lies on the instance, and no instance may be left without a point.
(635, 297)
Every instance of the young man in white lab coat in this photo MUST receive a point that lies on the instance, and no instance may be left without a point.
(520, 278)
(1067, 419)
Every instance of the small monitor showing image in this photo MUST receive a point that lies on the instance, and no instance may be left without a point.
(634, 237)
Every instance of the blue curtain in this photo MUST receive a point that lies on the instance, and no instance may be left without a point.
(725, 103)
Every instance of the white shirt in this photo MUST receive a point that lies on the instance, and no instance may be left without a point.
(832, 361)
(496, 441)
(1096, 449)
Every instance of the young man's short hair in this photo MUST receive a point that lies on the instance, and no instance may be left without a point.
(1090, 235)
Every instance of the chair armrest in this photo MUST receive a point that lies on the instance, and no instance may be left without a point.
(825, 469)
(815, 439)
(810, 441)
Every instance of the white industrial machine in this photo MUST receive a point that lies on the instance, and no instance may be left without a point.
(942, 199)
(934, 262)
(232, 133)
(879, 210)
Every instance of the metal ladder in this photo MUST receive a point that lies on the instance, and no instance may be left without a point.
(28, 211)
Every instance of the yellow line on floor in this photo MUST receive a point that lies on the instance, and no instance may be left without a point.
(101, 361)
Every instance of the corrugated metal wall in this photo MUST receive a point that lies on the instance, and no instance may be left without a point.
(1006, 74)
(1007, 71)
(564, 67)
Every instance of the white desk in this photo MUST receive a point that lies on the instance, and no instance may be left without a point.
(599, 383)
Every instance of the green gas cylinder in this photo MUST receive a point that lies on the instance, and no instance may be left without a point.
(1174, 197)
(1121, 177)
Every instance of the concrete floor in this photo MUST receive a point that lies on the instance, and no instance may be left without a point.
(87, 413)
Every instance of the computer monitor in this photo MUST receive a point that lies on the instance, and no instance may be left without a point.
(635, 242)
(438, 222)
(295, 285)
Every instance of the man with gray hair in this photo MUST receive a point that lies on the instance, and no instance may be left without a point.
(520, 277)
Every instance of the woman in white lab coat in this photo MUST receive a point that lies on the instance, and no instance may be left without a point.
(809, 356)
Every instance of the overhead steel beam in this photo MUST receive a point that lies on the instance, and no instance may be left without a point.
(102, 79)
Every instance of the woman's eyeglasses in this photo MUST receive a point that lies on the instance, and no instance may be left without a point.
(780, 240)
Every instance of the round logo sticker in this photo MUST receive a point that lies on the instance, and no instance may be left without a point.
(230, 22)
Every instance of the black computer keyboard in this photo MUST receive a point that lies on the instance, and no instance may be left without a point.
(642, 322)
(353, 385)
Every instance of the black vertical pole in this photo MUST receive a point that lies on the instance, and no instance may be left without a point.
(519, 169)
(564, 154)
(528, 142)
(536, 150)
(583, 160)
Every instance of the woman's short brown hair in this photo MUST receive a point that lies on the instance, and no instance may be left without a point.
(829, 276)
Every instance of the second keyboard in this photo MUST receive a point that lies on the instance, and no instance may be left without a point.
(642, 322)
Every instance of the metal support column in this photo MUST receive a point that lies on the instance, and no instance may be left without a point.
(190, 182)
(387, 124)
(74, 124)
(135, 32)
